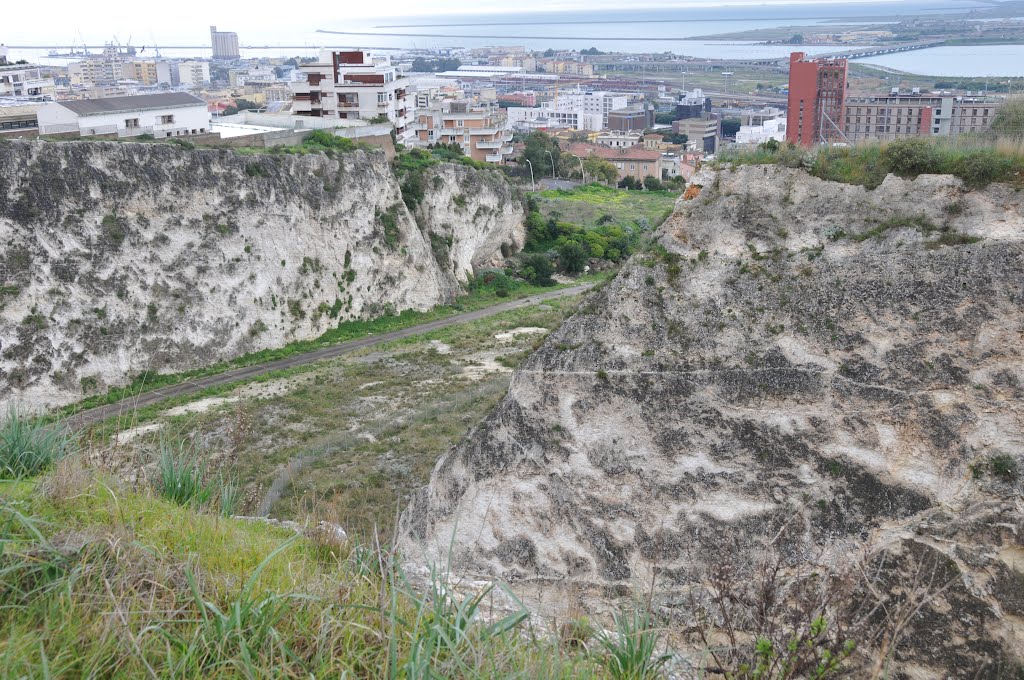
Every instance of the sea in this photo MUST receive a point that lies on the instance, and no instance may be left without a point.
(676, 30)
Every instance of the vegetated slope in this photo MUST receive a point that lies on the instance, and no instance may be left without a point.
(804, 368)
(125, 258)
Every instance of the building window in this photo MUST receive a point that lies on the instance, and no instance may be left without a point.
(131, 123)
(166, 120)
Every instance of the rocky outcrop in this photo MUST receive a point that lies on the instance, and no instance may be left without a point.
(826, 372)
(119, 259)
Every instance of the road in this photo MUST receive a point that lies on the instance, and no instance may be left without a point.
(98, 414)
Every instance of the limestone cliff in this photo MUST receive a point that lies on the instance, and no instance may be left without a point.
(828, 371)
(124, 258)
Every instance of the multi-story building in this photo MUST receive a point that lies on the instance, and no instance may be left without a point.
(576, 110)
(702, 134)
(618, 140)
(772, 128)
(634, 161)
(193, 73)
(519, 61)
(635, 117)
(170, 114)
(574, 68)
(148, 72)
(914, 114)
(224, 43)
(354, 84)
(25, 82)
(692, 104)
(817, 96)
(479, 130)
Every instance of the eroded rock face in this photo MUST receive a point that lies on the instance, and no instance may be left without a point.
(124, 258)
(806, 366)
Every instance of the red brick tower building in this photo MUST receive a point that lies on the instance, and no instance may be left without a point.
(817, 95)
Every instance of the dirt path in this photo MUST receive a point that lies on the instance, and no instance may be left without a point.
(100, 413)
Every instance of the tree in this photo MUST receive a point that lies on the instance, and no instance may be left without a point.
(673, 138)
(796, 39)
(730, 126)
(421, 65)
(592, 51)
(600, 170)
(537, 269)
(664, 118)
(628, 182)
(549, 52)
(280, 72)
(537, 146)
(652, 183)
(1009, 122)
(573, 257)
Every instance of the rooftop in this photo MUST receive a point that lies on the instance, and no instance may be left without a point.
(142, 102)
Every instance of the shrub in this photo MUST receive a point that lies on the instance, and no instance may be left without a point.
(573, 257)
(27, 446)
(322, 140)
(911, 156)
(537, 269)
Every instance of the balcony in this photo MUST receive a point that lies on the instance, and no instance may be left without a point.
(489, 145)
(497, 158)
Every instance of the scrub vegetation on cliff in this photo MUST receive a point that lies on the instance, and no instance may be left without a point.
(977, 163)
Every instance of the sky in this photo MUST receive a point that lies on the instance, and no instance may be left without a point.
(255, 20)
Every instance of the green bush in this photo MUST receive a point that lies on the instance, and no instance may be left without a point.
(28, 446)
(910, 156)
(572, 257)
(537, 269)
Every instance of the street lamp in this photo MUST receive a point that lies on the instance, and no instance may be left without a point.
(533, 185)
(582, 171)
(553, 175)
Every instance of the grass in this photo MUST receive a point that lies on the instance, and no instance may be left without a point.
(104, 580)
(353, 438)
(975, 160)
(478, 298)
(28, 446)
(588, 205)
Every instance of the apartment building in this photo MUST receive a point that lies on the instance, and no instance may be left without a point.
(517, 61)
(354, 84)
(619, 140)
(702, 134)
(634, 161)
(479, 130)
(224, 44)
(773, 128)
(898, 115)
(817, 96)
(635, 117)
(573, 68)
(170, 114)
(692, 104)
(192, 73)
(25, 82)
(149, 72)
(576, 110)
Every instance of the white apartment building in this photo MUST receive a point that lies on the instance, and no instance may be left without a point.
(576, 110)
(193, 73)
(170, 114)
(478, 130)
(774, 128)
(618, 140)
(354, 84)
(25, 82)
